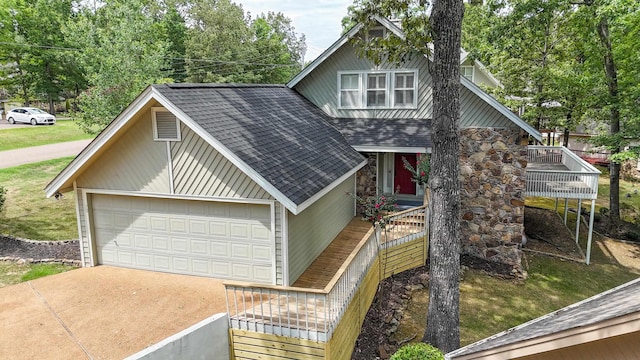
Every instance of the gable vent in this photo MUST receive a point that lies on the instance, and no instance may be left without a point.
(166, 126)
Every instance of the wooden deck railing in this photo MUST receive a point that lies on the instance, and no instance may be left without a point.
(554, 171)
(314, 314)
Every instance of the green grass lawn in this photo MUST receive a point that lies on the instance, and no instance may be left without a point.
(28, 213)
(63, 130)
(12, 273)
(489, 305)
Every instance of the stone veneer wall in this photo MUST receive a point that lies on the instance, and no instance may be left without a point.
(367, 177)
(366, 180)
(492, 171)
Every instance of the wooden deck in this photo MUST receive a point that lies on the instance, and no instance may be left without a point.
(322, 270)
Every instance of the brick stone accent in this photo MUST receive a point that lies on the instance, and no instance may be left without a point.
(492, 172)
(367, 177)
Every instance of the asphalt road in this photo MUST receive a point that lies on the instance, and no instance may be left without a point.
(5, 125)
(33, 154)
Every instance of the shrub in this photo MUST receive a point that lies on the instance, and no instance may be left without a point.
(417, 351)
(3, 193)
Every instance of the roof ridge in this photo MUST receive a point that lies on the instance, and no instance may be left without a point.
(218, 85)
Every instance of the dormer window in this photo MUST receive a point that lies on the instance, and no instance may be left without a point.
(166, 126)
(467, 71)
(376, 32)
(377, 89)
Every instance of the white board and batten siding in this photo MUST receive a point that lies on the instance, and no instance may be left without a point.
(321, 87)
(314, 228)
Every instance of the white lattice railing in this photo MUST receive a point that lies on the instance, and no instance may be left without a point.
(555, 171)
(313, 314)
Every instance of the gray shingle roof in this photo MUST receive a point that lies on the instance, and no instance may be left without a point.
(274, 130)
(620, 301)
(385, 132)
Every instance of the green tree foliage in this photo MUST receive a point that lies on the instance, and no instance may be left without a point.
(570, 63)
(611, 22)
(417, 351)
(522, 41)
(122, 54)
(3, 197)
(37, 61)
(217, 45)
(225, 46)
(174, 30)
(104, 53)
(282, 51)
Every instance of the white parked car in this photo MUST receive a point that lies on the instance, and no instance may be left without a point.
(33, 116)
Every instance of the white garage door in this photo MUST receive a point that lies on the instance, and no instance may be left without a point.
(224, 240)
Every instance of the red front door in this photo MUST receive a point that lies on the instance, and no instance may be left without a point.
(402, 177)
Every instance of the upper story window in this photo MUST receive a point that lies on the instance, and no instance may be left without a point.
(377, 89)
(404, 90)
(467, 71)
(376, 32)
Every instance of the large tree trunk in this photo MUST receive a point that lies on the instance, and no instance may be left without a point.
(612, 84)
(443, 317)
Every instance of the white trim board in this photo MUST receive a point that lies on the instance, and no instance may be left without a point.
(332, 186)
(178, 196)
(391, 149)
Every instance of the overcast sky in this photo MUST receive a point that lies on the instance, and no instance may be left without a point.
(318, 20)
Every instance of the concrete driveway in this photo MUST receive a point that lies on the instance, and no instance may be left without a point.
(101, 313)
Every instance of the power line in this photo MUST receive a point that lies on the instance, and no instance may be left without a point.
(40, 46)
(210, 60)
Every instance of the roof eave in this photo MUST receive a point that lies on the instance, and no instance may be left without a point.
(500, 108)
(391, 149)
(325, 55)
(310, 201)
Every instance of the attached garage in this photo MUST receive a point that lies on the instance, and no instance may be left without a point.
(204, 238)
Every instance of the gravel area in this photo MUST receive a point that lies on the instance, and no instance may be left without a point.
(15, 249)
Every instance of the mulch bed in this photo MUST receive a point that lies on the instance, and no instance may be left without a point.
(36, 251)
(392, 298)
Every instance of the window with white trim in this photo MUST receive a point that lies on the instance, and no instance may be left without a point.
(378, 89)
(404, 89)
(467, 71)
(166, 126)
(350, 96)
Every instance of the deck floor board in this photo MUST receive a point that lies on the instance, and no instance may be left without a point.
(325, 266)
